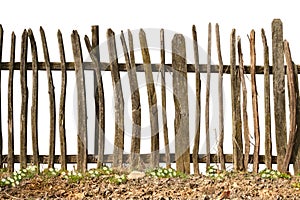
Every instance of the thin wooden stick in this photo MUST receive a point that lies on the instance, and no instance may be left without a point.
(293, 98)
(119, 101)
(51, 100)
(24, 103)
(62, 130)
(221, 110)
(10, 155)
(1, 136)
(198, 103)
(207, 98)
(34, 106)
(245, 114)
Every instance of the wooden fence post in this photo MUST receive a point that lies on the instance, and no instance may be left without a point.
(279, 91)
(1, 136)
(180, 94)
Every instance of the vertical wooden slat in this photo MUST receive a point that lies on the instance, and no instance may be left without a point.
(180, 94)
(279, 91)
(10, 118)
(99, 98)
(1, 135)
(220, 97)
(293, 98)
(81, 103)
(245, 114)
(136, 108)
(152, 100)
(163, 97)
(268, 139)
(118, 98)
(34, 105)
(236, 108)
(24, 103)
(254, 102)
(51, 100)
(207, 98)
(198, 102)
(62, 130)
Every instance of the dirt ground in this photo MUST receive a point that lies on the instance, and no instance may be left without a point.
(234, 186)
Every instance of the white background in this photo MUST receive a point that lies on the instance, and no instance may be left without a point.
(177, 16)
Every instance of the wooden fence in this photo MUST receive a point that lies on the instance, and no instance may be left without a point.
(288, 151)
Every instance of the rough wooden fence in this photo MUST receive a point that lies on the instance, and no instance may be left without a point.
(288, 151)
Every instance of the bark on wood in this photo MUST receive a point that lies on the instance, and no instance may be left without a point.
(1, 136)
(34, 104)
(180, 94)
(198, 103)
(62, 102)
(245, 114)
(163, 98)
(152, 100)
(220, 97)
(24, 101)
(207, 98)
(293, 98)
(279, 91)
(118, 98)
(136, 108)
(81, 101)
(51, 100)
(268, 139)
(254, 102)
(10, 118)
(236, 108)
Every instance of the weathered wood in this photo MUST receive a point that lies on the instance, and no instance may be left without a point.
(62, 102)
(293, 98)
(198, 102)
(24, 101)
(207, 98)
(118, 99)
(10, 109)
(34, 104)
(244, 107)
(1, 136)
(51, 100)
(236, 108)
(81, 103)
(279, 91)
(163, 97)
(180, 94)
(254, 102)
(268, 139)
(152, 100)
(135, 104)
(220, 97)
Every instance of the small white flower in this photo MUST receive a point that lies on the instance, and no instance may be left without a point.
(170, 170)
(13, 184)
(17, 183)
(96, 172)
(22, 174)
(63, 173)
(51, 170)
(66, 177)
(79, 174)
(15, 173)
(24, 170)
(7, 182)
(3, 180)
(53, 173)
(105, 168)
(91, 172)
(19, 172)
(19, 177)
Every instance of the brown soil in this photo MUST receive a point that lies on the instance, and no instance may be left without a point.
(240, 186)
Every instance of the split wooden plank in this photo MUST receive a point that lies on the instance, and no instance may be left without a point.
(279, 91)
(62, 102)
(244, 107)
(268, 139)
(220, 97)
(152, 100)
(10, 109)
(81, 103)
(236, 108)
(180, 94)
(163, 97)
(1, 136)
(118, 99)
(51, 100)
(207, 97)
(254, 103)
(24, 101)
(136, 106)
(198, 102)
(293, 98)
(34, 104)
